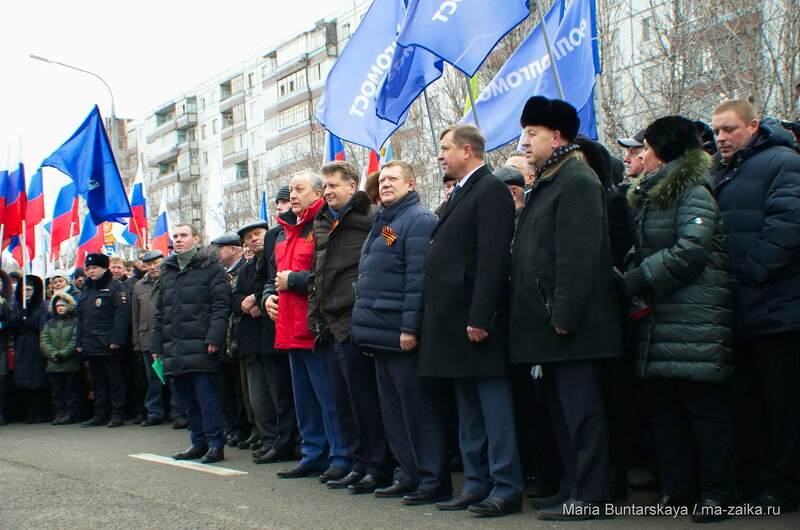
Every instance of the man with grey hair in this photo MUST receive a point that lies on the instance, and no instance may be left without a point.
(324, 453)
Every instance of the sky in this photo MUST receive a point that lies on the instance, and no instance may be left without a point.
(147, 51)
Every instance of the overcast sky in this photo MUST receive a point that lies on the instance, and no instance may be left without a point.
(148, 51)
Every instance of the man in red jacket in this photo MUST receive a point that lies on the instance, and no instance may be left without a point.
(324, 453)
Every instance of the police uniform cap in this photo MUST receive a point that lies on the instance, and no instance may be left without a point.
(97, 259)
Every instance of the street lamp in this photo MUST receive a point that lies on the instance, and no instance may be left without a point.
(114, 131)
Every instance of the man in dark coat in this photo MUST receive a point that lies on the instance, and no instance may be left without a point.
(189, 330)
(387, 321)
(465, 326)
(104, 324)
(757, 187)
(563, 310)
(340, 228)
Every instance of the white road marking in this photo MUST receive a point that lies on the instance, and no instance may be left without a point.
(225, 472)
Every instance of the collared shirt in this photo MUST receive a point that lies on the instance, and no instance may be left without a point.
(228, 269)
(463, 181)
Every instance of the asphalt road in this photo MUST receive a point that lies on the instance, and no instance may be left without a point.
(69, 477)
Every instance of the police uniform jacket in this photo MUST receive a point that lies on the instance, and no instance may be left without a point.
(104, 316)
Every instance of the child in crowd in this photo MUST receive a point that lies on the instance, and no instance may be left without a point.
(58, 344)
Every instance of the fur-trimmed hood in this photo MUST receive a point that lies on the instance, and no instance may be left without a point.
(205, 257)
(62, 295)
(663, 187)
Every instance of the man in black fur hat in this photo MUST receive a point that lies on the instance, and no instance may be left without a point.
(563, 314)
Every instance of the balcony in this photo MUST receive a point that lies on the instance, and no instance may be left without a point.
(165, 155)
(189, 173)
(161, 130)
(234, 158)
(186, 121)
(231, 101)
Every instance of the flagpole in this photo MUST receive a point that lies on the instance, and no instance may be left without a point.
(23, 238)
(433, 132)
(472, 102)
(549, 46)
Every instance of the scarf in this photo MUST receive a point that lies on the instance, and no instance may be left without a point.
(557, 155)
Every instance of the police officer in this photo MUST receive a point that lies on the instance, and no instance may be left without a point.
(104, 320)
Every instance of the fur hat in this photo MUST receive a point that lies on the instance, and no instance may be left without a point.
(671, 136)
(553, 114)
(97, 259)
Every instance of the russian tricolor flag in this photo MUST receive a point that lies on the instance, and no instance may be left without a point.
(14, 203)
(92, 239)
(161, 240)
(334, 148)
(137, 224)
(65, 223)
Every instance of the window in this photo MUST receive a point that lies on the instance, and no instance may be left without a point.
(205, 158)
(293, 115)
(215, 126)
(238, 113)
(251, 80)
(202, 103)
(252, 111)
(292, 83)
(203, 132)
(237, 84)
(192, 135)
(228, 147)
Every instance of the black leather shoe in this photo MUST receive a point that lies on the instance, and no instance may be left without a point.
(710, 511)
(545, 502)
(333, 473)
(247, 444)
(368, 484)
(573, 510)
(116, 422)
(420, 497)
(194, 452)
(350, 478)
(461, 502)
(670, 501)
(139, 419)
(214, 454)
(394, 491)
(766, 500)
(180, 423)
(299, 471)
(270, 457)
(495, 507)
(93, 422)
(150, 421)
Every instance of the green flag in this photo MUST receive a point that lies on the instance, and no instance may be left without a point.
(158, 368)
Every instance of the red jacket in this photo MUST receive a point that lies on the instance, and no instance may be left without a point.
(294, 253)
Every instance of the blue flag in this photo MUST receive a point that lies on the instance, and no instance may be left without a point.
(528, 72)
(262, 211)
(413, 69)
(87, 158)
(461, 32)
(348, 104)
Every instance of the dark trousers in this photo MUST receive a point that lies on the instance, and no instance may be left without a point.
(230, 394)
(692, 422)
(198, 394)
(65, 394)
(248, 406)
(265, 415)
(109, 392)
(279, 385)
(768, 414)
(154, 397)
(487, 437)
(413, 423)
(355, 395)
(575, 400)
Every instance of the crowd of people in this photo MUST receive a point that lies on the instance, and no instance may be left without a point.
(554, 325)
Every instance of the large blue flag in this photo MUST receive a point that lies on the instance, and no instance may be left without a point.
(413, 69)
(528, 72)
(461, 32)
(347, 106)
(87, 158)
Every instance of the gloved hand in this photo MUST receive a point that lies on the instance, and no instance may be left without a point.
(58, 357)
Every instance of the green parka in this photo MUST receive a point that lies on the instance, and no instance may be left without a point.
(679, 267)
(59, 337)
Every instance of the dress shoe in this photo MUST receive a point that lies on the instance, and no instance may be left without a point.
(394, 491)
(214, 454)
(93, 422)
(546, 502)
(233, 441)
(672, 501)
(333, 473)
(248, 443)
(495, 507)
(139, 419)
(179, 423)
(150, 421)
(193, 453)
(350, 478)
(573, 510)
(116, 422)
(270, 457)
(540, 490)
(368, 484)
(765, 500)
(463, 501)
(420, 497)
(710, 511)
(55, 421)
(299, 471)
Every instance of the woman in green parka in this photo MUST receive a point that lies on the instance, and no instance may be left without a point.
(678, 266)
(58, 342)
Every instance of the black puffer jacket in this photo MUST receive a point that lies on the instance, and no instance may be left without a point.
(192, 311)
(30, 364)
(337, 249)
(389, 289)
(759, 197)
(680, 267)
